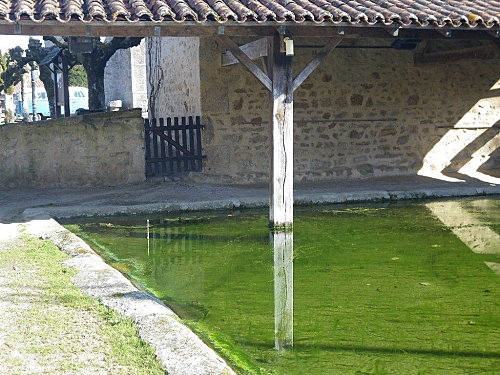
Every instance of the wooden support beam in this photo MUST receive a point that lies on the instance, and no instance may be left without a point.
(393, 31)
(313, 64)
(245, 60)
(210, 29)
(281, 173)
(281, 84)
(254, 50)
(447, 33)
(65, 74)
(456, 56)
(496, 42)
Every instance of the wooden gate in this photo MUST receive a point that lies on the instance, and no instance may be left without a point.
(173, 146)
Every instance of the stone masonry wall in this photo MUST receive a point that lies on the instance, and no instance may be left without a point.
(365, 112)
(115, 86)
(173, 76)
(139, 77)
(103, 149)
(126, 79)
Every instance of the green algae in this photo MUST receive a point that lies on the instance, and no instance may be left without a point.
(377, 289)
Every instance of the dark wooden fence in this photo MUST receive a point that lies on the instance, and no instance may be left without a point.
(173, 146)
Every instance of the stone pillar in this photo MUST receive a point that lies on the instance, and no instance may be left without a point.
(125, 77)
(173, 71)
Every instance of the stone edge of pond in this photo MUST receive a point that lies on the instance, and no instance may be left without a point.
(108, 210)
(300, 199)
(393, 195)
(177, 348)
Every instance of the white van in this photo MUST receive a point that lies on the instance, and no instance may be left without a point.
(78, 99)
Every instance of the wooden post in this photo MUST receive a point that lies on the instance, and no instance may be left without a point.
(65, 72)
(281, 171)
(281, 84)
(57, 107)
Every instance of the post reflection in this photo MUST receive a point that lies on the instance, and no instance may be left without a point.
(283, 288)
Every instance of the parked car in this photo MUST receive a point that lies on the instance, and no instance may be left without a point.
(78, 99)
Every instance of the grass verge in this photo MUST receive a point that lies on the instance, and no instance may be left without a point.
(49, 326)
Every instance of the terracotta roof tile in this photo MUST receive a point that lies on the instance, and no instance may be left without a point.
(451, 13)
(161, 10)
(224, 10)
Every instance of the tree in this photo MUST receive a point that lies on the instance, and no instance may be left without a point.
(94, 62)
(78, 76)
(12, 68)
(3, 68)
(36, 53)
(17, 60)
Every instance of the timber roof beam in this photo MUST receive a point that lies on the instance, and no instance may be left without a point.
(51, 28)
(145, 29)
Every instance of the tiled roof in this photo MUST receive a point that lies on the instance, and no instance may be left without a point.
(420, 13)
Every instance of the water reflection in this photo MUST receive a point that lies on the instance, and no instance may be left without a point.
(283, 288)
(467, 226)
(379, 282)
(172, 252)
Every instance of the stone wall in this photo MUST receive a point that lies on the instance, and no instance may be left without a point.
(126, 79)
(115, 87)
(365, 112)
(161, 76)
(102, 149)
(173, 76)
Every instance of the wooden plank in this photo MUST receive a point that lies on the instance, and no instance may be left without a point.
(185, 143)
(156, 170)
(245, 60)
(191, 134)
(163, 151)
(177, 146)
(281, 174)
(456, 56)
(254, 50)
(176, 142)
(147, 146)
(210, 29)
(199, 150)
(172, 127)
(313, 64)
(170, 150)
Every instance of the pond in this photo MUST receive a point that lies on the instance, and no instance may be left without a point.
(383, 289)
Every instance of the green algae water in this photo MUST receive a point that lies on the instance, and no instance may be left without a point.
(401, 289)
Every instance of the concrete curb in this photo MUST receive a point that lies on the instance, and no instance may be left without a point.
(301, 199)
(178, 349)
(106, 210)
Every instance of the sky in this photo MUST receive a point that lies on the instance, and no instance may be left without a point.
(11, 41)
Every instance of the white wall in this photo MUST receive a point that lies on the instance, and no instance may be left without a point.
(173, 76)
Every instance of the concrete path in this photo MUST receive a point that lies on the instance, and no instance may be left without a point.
(153, 196)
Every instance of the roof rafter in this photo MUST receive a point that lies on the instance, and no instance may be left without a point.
(212, 29)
